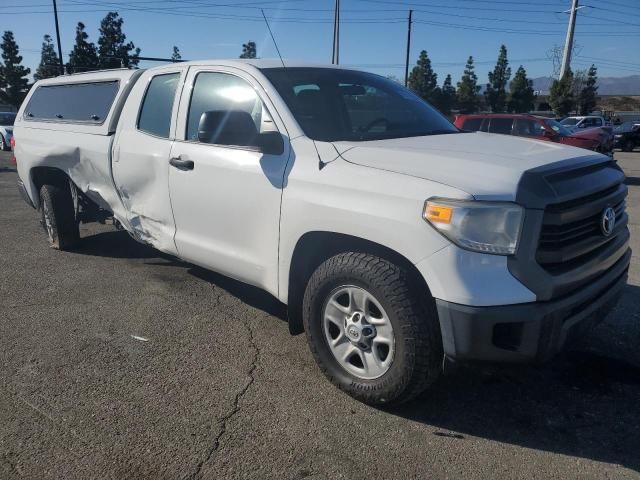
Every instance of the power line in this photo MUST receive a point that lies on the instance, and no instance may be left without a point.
(448, 7)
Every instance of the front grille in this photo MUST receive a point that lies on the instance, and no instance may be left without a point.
(571, 231)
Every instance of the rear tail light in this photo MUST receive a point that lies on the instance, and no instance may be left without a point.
(12, 142)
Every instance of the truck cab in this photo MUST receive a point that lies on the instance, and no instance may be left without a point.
(395, 239)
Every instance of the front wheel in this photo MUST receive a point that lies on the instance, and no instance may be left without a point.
(58, 217)
(628, 146)
(373, 333)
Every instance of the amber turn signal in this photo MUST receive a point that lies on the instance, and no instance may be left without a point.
(437, 213)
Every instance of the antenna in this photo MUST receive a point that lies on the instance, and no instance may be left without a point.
(272, 37)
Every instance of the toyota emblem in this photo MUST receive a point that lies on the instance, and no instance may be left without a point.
(608, 221)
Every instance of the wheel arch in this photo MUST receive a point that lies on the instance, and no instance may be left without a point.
(40, 176)
(315, 247)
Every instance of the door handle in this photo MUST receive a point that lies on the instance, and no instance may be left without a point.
(181, 164)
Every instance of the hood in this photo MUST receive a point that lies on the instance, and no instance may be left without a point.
(487, 166)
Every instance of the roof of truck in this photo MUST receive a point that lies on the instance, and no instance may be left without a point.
(260, 62)
(239, 63)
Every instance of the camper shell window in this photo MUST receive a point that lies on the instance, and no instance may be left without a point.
(73, 102)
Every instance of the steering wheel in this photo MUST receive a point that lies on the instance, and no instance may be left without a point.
(375, 122)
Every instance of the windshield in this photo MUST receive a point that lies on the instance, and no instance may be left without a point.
(7, 119)
(334, 104)
(570, 121)
(557, 127)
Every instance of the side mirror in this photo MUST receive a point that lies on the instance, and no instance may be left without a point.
(270, 143)
(582, 125)
(233, 127)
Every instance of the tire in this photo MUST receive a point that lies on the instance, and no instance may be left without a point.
(58, 217)
(3, 144)
(416, 349)
(628, 146)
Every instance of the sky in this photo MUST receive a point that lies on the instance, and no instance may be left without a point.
(373, 33)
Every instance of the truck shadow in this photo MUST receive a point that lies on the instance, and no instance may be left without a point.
(632, 181)
(115, 244)
(584, 404)
(118, 244)
(252, 296)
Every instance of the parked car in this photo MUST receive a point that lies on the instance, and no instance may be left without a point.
(585, 121)
(540, 128)
(6, 129)
(396, 240)
(627, 136)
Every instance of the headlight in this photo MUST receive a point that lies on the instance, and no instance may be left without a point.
(487, 227)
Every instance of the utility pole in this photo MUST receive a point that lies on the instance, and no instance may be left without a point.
(568, 44)
(55, 14)
(335, 56)
(406, 63)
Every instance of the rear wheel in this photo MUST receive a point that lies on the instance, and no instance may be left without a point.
(58, 217)
(372, 332)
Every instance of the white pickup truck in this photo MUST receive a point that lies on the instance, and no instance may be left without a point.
(396, 240)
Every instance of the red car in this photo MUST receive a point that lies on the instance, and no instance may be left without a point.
(540, 128)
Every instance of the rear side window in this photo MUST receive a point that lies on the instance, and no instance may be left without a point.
(500, 125)
(155, 114)
(74, 102)
(472, 124)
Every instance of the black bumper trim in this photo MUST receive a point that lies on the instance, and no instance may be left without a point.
(24, 194)
(468, 332)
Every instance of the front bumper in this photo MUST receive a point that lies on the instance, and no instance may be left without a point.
(531, 331)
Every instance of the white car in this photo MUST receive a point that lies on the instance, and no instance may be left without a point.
(6, 129)
(396, 240)
(582, 122)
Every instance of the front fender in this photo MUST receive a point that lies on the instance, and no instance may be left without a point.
(379, 206)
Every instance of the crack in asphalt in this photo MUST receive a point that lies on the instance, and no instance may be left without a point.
(236, 402)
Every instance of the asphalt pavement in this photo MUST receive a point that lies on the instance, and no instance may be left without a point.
(118, 362)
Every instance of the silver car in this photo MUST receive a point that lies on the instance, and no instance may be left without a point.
(6, 129)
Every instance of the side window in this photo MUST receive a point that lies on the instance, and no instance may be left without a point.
(500, 125)
(224, 110)
(472, 124)
(74, 102)
(527, 128)
(155, 114)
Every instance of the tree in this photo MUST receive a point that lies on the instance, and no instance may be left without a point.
(447, 96)
(49, 61)
(561, 95)
(248, 50)
(113, 52)
(84, 56)
(578, 82)
(175, 56)
(521, 95)
(496, 93)
(589, 93)
(14, 83)
(423, 80)
(468, 89)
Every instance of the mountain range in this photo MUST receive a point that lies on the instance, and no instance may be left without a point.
(629, 85)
